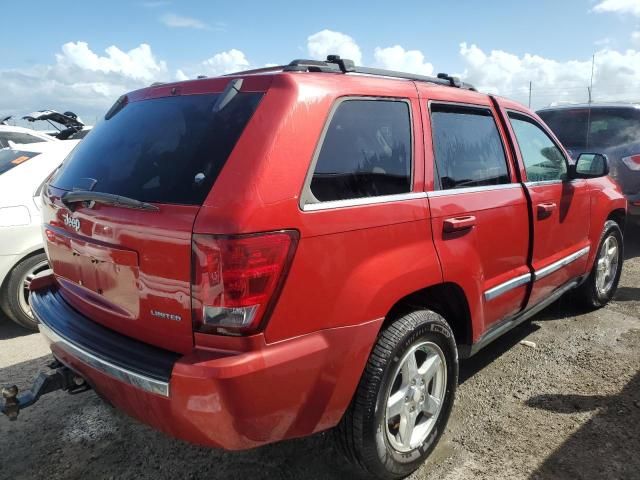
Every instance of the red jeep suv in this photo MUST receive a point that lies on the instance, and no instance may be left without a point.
(261, 256)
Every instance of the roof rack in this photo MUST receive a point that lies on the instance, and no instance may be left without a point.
(335, 64)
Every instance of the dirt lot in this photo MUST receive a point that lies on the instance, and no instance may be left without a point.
(568, 408)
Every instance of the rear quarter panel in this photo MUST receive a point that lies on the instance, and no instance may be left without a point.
(352, 264)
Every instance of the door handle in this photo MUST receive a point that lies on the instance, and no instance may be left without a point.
(458, 224)
(546, 209)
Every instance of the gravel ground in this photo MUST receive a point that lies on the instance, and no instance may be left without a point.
(567, 408)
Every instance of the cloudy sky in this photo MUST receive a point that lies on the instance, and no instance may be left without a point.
(83, 56)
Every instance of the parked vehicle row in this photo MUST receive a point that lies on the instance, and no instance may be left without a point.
(311, 247)
(67, 126)
(23, 170)
(610, 129)
(27, 158)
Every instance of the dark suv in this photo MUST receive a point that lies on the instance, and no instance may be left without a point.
(257, 257)
(612, 129)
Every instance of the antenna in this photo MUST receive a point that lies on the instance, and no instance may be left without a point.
(593, 64)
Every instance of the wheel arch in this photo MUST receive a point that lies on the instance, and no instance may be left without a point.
(619, 216)
(447, 299)
(30, 253)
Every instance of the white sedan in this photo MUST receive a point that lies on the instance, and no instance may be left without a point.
(23, 171)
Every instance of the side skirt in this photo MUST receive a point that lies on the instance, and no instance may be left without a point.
(466, 351)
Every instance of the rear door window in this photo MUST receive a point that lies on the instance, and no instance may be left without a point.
(467, 147)
(366, 151)
(163, 150)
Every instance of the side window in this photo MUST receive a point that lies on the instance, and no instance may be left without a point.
(543, 160)
(366, 151)
(467, 147)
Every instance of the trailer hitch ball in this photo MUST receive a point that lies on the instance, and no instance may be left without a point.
(10, 395)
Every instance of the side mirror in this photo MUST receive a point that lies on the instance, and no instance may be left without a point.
(590, 165)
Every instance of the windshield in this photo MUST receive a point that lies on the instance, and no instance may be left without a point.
(12, 158)
(608, 127)
(164, 150)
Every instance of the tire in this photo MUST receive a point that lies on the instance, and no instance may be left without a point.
(370, 435)
(14, 297)
(590, 293)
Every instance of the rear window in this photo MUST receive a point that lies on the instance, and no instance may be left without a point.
(366, 151)
(165, 150)
(608, 127)
(12, 158)
(17, 137)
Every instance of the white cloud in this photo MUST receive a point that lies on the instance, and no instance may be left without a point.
(635, 38)
(602, 42)
(397, 58)
(225, 62)
(138, 63)
(616, 75)
(618, 6)
(328, 42)
(80, 80)
(172, 20)
(181, 76)
(156, 4)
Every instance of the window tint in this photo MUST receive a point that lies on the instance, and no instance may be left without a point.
(607, 127)
(467, 147)
(17, 137)
(165, 150)
(543, 160)
(366, 151)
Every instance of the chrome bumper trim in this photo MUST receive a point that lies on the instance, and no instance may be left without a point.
(132, 378)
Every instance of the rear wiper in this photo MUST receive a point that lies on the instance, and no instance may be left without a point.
(230, 91)
(78, 196)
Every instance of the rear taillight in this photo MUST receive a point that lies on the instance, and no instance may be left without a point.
(236, 280)
(633, 162)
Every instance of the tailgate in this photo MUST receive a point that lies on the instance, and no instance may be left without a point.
(123, 266)
(128, 270)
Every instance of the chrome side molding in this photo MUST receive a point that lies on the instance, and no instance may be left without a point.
(507, 286)
(563, 262)
(537, 275)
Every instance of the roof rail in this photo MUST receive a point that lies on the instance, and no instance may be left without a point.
(335, 64)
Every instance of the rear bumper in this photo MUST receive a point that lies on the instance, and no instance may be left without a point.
(220, 398)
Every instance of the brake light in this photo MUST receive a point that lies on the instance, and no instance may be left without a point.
(633, 162)
(237, 279)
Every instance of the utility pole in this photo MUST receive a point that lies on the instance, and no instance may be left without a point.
(529, 94)
(593, 64)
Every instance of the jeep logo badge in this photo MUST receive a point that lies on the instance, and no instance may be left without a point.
(69, 221)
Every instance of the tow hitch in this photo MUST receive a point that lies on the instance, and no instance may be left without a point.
(61, 378)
